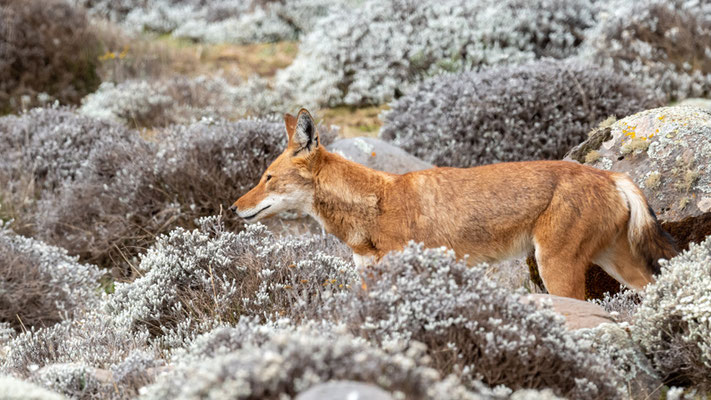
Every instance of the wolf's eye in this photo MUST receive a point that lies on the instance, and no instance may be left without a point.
(269, 176)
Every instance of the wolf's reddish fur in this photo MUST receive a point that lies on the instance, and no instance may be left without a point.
(571, 214)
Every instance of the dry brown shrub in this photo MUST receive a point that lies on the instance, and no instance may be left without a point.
(45, 47)
(23, 303)
(39, 284)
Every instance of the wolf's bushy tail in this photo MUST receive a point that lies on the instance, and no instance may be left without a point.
(645, 233)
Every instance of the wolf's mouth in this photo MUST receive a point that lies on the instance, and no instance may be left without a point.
(255, 214)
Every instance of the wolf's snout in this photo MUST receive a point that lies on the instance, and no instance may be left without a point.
(233, 208)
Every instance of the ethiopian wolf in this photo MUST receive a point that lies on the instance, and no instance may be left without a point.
(572, 215)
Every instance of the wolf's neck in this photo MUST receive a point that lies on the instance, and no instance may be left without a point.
(347, 200)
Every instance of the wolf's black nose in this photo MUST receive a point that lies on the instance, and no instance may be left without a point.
(233, 208)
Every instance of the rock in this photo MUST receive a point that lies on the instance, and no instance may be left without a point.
(667, 151)
(344, 390)
(377, 154)
(578, 314)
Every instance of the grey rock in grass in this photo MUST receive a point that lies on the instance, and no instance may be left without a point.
(344, 390)
(377, 154)
(578, 314)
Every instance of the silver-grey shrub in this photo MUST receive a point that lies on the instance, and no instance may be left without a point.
(663, 44)
(672, 325)
(41, 285)
(131, 191)
(44, 148)
(533, 111)
(372, 53)
(271, 362)
(10, 388)
(232, 21)
(47, 52)
(65, 356)
(268, 22)
(180, 100)
(108, 212)
(213, 274)
(472, 327)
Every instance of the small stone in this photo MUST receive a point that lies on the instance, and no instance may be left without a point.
(344, 390)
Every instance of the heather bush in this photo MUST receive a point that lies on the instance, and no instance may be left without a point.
(44, 148)
(40, 285)
(16, 389)
(163, 16)
(234, 21)
(672, 325)
(472, 327)
(74, 357)
(129, 191)
(260, 362)
(661, 43)
(113, 212)
(529, 112)
(622, 305)
(74, 380)
(372, 53)
(134, 103)
(614, 344)
(213, 274)
(180, 100)
(46, 52)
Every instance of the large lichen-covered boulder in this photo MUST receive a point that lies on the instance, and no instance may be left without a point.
(667, 151)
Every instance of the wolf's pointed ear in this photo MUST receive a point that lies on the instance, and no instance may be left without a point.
(305, 137)
(290, 122)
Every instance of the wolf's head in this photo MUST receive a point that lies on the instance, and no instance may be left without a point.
(287, 184)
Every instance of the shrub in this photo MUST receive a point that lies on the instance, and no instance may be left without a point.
(622, 305)
(10, 387)
(40, 285)
(663, 44)
(163, 16)
(370, 54)
(615, 345)
(75, 380)
(180, 100)
(134, 103)
(127, 190)
(55, 355)
(212, 274)
(234, 21)
(275, 363)
(673, 322)
(534, 111)
(47, 52)
(44, 148)
(473, 327)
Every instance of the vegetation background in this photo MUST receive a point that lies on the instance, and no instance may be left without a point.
(128, 127)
